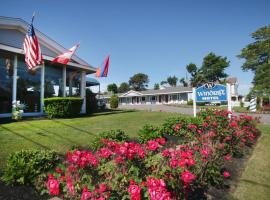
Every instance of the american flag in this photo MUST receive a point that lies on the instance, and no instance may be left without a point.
(31, 48)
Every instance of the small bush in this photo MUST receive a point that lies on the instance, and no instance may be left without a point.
(149, 132)
(114, 101)
(25, 165)
(61, 107)
(117, 135)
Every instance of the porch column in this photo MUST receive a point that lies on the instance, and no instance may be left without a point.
(83, 84)
(14, 86)
(64, 80)
(42, 88)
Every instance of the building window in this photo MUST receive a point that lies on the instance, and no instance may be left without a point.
(53, 86)
(153, 98)
(73, 83)
(28, 86)
(143, 98)
(174, 97)
(6, 81)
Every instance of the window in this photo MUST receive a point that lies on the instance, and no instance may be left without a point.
(28, 86)
(153, 98)
(6, 81)
(143, 98)
(53, 86)
(73, 83)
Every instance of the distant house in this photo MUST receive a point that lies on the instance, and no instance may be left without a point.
(167, 95)
(19, 84)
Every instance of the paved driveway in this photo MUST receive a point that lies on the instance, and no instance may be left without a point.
(265, 118)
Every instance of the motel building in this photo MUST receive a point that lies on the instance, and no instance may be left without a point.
(49, 80)
(165, 95)
(168, 95)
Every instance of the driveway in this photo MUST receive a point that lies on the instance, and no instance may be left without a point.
(265, 118)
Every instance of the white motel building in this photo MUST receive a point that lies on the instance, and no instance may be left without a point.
(52, 80)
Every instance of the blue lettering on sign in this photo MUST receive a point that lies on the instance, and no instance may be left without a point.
(211, 92)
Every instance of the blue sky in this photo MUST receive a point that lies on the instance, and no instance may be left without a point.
(156, 37)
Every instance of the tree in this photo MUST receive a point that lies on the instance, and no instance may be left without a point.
(172, 80)
(156, 86)
(112, 88)
(257, 60)
(213, 67)
(124, 87)
(114, 101)
(139, 81)
(183, 82)
(163, 82)
(212, 70)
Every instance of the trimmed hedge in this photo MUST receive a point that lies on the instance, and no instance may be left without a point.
(61, 107)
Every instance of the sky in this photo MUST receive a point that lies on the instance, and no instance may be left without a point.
(155, 37)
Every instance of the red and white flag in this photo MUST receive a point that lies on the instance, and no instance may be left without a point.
(33, 56)
(65, 57)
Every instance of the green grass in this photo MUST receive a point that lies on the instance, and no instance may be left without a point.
(255, 180)
(61, 134)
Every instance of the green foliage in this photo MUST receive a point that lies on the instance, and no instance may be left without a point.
(172, 80)
(61, 107)
(91, 102)
(212, 70)
(124, 87)
(114, 101)
(25, 165)
(156, 86)
(213, 67)
(149, 132)
(139, 81)
(117, 135)
(257, 59)
(183, 82)
(112, 88)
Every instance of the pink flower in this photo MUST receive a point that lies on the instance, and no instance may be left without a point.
(152, 145)
(70, 185)
(161, 141)
(214, 123)
(58, 170)
(102, 187)
(165, 152)
(228, 157)
(105, 152)
(204, 124)
(135, 192)
(187, 177)
(192, 126)
(226, 174)
(53, 186)
(191, 162)
(86, 195)
(205, 152)
(233, 124)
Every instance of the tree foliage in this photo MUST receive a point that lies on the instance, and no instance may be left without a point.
(139, 81)
(212, 70)
(112, 88)
(257, 59)
(172, 80)
(156, 86)
(183, 82)
(124, 87)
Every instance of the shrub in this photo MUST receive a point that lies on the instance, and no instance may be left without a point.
(114, 101)
(149, 132)
(91, 102)
(25, 165)
(117, 135)
(63, 106)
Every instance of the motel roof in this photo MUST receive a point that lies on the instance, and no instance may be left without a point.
(12, 33)
(166, 90)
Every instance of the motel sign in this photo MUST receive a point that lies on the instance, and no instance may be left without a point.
(211, 92)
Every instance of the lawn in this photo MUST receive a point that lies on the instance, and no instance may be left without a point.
(255, 180)
(61, 134)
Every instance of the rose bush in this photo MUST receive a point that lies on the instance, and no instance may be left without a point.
(155, 170)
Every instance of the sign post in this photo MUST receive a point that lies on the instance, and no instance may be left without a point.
(194, 101)
(211, 92)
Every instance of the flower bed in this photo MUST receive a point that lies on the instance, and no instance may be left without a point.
(155, 169)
